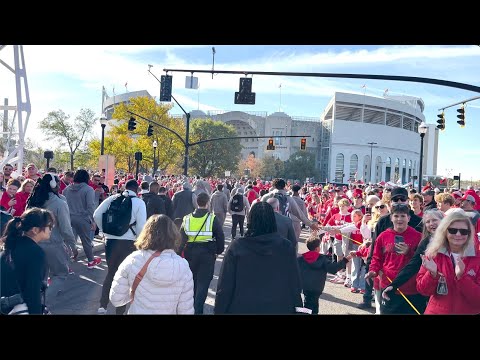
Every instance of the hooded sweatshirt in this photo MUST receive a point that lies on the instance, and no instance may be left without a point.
(313, 270)
(259, 275)
(81, 200)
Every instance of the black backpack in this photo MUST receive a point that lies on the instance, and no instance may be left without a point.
(283, 203)
(237, 203)
(116, 220)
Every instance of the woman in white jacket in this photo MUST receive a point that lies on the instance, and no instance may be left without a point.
(167, 286)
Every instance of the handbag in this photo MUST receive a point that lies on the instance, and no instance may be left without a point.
(141, 274)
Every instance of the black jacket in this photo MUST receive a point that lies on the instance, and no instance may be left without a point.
(259, 275)
(217, 230)
(313, 272)
(28, 271)
(168, 206)
(154, 204)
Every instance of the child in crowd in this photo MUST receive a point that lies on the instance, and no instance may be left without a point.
(313, 271)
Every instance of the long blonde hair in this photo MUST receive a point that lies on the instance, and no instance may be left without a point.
(440, 241)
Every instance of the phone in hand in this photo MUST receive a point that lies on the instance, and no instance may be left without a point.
(399, 239)
(368, 211)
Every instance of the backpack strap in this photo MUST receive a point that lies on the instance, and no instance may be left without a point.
(134, 223)
(141, 274)
(201, 227)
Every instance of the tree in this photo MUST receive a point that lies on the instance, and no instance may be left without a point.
(301, 165)
(213, 158)
(251, 163)
(271, 167)
(57, 127)
(123, 143)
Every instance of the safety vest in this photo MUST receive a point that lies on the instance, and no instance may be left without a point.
(191, 226)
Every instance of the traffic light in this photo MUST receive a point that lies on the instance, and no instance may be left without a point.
(441, 121)
(303, 144)
(150, 130)
(166, 88)
(244, 95)
(461, 116)
(132, 125)
(270, 145)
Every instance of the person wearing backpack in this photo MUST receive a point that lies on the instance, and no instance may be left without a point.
(288, 205)
(238, 207)
(121, 218)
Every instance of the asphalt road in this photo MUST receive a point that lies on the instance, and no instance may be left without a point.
(83, 289)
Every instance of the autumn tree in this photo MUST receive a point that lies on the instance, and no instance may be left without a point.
(251, 163)
(123, 143)
(56, 126)
(213, 158)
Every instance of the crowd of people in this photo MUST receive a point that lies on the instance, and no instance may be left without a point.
(412, 253)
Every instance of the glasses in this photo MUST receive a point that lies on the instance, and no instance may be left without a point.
(454, 231)
(380, 207)
(399, 198)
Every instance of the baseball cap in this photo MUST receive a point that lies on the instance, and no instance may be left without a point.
(399, 191)
(468, 198)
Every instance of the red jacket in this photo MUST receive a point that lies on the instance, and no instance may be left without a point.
(389, 262)
(463, 295)
(19, 207)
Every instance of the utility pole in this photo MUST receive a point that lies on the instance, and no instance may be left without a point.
(371, 154)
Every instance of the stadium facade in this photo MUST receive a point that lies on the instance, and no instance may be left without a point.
(340, 137)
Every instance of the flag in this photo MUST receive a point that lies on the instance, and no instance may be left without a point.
(104, 93)
(126, 84)
(385, 93)
(364, 86)
(443, 180)
(279, 86)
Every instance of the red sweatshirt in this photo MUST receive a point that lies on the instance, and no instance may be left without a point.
(389, 262)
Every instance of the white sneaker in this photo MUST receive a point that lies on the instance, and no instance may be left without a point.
(101, 311)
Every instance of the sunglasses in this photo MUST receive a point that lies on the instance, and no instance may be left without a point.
(380, 207)
(454, 231)
(400, 206)
(399, 198)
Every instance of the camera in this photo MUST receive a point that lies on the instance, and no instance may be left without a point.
(8, 302)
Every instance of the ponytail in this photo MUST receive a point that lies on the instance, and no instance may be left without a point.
(13, 230)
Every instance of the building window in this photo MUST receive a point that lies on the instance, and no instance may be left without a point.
(388, 169)
(339, 168)
(353, 167)
(378, 171)
(367, 167)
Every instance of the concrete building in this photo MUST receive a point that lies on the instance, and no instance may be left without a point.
(339, 138)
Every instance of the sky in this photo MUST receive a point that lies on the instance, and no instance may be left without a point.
(70, 77)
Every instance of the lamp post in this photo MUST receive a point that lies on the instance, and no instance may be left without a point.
(154, 160)
(371, 154)
(422, 130)
(103, 122)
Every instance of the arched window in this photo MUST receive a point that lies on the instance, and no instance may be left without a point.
(410, 170)
(404, 171)
(353, 167)
(339, 168)
(367, 168)
(379, 169)
(388, 169)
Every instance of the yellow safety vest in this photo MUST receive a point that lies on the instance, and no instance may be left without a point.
(191, 226)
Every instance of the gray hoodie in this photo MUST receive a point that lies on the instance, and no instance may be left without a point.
(62, 232)
(81, 200)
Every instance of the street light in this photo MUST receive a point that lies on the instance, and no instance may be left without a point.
(422, 130)
(371, 154)
(154, 161)
(103, 122)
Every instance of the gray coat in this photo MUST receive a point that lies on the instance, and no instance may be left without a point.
(184, 202)
(81, 201)
(55, 248)
(285, 228)
(219, 203)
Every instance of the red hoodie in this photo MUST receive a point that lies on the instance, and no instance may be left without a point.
(389, 262)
